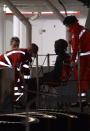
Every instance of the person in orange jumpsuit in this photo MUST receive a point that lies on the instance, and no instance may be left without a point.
(80, 43)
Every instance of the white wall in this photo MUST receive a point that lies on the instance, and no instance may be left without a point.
(45, 32)
(8, 32)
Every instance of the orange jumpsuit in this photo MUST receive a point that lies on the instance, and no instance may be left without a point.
(80, 42)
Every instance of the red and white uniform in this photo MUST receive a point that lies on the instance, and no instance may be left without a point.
(18, 56)
(80, 42)
(14, 59)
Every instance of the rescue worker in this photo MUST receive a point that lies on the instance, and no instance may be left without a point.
(27, 64)
(16, 58)
(80, 43)
(14, 43)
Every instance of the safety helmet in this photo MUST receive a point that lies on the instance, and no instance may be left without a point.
(70, 20)
(60, 45)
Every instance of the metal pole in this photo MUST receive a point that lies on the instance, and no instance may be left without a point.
(28, 34)
(37, 78)
(48, 62)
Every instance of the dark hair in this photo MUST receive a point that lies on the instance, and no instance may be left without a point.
(34, 48)
(61, 44)
(70, 20)
(16, 39)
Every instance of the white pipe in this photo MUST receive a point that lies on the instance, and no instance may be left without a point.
(22, 18)
(28, 35)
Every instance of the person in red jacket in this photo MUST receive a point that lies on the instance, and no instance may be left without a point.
(17, 58)
(80, 43)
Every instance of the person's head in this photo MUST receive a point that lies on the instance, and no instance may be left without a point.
(60, 46)
(14, 42)
(33, 49)
(70, 20)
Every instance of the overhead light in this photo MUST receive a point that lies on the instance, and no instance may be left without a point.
(62, 12)
(45, 13)
(70, 12)
(8, 11)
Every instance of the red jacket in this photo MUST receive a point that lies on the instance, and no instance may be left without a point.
(15, 57)
(80, 39)
(18, 56)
